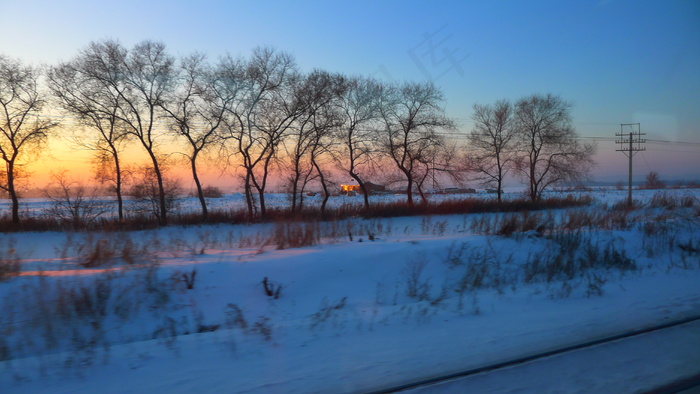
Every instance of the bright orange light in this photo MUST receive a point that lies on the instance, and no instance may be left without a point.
(350, 188)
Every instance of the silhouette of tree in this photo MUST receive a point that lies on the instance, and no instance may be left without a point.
(491, 143)
(653, 181)
(549, 149)
(23, 129)
(412, 114)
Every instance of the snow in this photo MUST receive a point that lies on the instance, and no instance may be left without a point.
(632, 365)
(344, 320)
(39, 206)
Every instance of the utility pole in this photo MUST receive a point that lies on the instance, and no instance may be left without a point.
(628, 147)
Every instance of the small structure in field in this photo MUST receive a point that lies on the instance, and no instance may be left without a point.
(456, 190)
(350, 188)
(372, 188)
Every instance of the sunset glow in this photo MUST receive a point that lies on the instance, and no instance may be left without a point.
(618, 62)
(327, 196)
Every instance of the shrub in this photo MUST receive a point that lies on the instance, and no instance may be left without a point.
(326, 311)
(209, 192)
(263, 327)
(415, 285)
(235, 317)
(271, 289)
(653, 181)
(73, 204)
(573, 257)
(146, 193)
(9, 260)
(185, 277)
(688, 201)
(295, 235)
(663, 200)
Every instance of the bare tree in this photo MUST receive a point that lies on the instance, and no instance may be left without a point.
(438, 163)
(82, 89)
(359, 106)
(326, 120)
(264, 115)
(653, 181)
(298, 145)
(550, 149)
(138, 79)
(491, 142)
(198, 109)
(22, 128)
(148, 72)
(308, 139)
(412, 114)
(136, 82)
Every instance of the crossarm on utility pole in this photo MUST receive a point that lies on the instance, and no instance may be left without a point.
(634, 138)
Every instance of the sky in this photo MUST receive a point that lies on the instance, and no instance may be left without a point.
(617, 61)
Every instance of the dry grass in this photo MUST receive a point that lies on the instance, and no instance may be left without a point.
(9, 260)
(134, 221)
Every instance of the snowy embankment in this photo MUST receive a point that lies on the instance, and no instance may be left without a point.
(367, 305)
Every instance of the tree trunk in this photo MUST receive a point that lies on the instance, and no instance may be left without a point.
(423, 200)
(533, 182)
(295, 183)
(248, 193)
(301, 197)
(499, 191)
(118, 186)
(409, 191)
(13, 192)
(499, 179)
(162, 218)
(197, 183)
(365, 193)
(261, 195)
(263, 184)
(325, 188)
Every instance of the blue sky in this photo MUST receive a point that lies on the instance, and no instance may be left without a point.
(617, 61)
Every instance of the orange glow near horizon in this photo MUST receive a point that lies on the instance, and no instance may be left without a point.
(59, 156)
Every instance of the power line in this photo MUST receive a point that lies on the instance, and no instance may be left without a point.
(673, 142)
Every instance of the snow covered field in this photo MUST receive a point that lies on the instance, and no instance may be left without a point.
(368, 304)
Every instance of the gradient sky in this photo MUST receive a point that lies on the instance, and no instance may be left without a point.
(617, 61)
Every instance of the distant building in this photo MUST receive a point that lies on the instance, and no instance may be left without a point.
(372, 188)
(456, 190)
(349, 188)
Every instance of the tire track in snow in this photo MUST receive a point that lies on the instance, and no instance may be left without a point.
(687, 383)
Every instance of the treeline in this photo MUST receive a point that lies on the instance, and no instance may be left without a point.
(261, 116)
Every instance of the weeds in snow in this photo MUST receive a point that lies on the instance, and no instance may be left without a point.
(262, 327)
(569, 255)
(271, 289)
(415, 285)
(9, 260)
(326, 311)
(235, 317)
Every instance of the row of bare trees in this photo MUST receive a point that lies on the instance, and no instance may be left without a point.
(261, 115)
(260, 112)
(533, 137)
